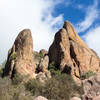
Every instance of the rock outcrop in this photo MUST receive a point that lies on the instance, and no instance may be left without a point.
(43, 65)
(20, 56)
(40, 98)
(71, 54)
(91, 88)
(75, 98)
(43, 52)
(43, 76)
(41, 60)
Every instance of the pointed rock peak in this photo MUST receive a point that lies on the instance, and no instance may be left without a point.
(25, 32)
(66, 23)
(70, 54)
(20, 59)
(73, 34)
(70, 30)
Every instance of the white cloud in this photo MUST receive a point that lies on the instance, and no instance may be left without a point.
(92, 14)
(92, 38)
(36, 15)
(68, 2)
(80, 6)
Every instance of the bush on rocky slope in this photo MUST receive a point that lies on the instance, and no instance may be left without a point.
(54, 71)
(60, 87)
(8, 91)
(87, 74)
(1, 71)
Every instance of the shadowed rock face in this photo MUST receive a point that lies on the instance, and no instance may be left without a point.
(20, 58)
(68, 50)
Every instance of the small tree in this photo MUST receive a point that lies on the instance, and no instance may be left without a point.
(13, 56)
(87, 74)
(1, 71)
(17, 79)
(54, 71)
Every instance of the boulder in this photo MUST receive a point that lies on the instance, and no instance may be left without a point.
(20, 58)
(97, 98)
(43, 52)
(43, 65)
(70, 53)
(36, 58)
(43, 76)
(41, 60)
(40, 98)
(75, 98)
(91, 88)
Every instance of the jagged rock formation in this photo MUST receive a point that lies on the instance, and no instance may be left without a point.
(41, 60)
(43, 65)
(20, 58)
(43, 76)
(91, 88)
(68, 52)
(43, 52)
(71, 54)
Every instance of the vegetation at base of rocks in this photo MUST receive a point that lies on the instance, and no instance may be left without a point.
(3, 63)
(60, 87)
(17, 79)
(38, 55)
(8, 91)
(13, 56)
(1, 71)
(54, 71)
(41, 55)
(87, 74)
(33, 86)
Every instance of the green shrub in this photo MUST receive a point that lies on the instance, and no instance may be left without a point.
(87, 75)
(41, 55)
(61, 88)
(57, 88)
(13, 56)
(38, 55)
(17, 79)
(52, 65)
(8, 91)
(1, 71)
(34, 86)
(54, 71)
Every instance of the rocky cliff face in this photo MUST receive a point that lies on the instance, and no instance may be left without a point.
(20, 58)
(71, 54)
(68, 52)
(91, 87)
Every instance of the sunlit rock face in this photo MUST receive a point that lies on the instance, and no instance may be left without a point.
(71, 54)
(20, 56)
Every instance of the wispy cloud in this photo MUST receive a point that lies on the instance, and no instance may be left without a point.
(92, 38)
(16, 15)
(92, 13)
(68, 3)
(80, 6)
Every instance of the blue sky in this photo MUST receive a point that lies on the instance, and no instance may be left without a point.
(45, 18)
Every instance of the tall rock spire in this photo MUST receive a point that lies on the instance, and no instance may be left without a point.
(70, 53)
(20, 56)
